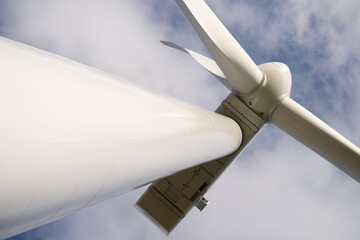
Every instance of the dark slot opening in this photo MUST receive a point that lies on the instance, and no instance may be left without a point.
(202, 187)
(195, 196)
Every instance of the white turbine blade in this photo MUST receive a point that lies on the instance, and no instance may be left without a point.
(318, 136)
(206, 62)
(235, 63)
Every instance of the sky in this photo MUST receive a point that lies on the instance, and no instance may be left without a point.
(277, 188)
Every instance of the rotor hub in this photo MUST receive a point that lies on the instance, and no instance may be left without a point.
(275, 86)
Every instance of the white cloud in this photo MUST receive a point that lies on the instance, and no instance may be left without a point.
(277, 189)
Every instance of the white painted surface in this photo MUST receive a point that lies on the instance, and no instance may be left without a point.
(275, 87)
(318, 136)
(234, 62)
(72, 136)
(206, 62)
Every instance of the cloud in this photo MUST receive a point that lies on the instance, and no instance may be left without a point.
(277, 189)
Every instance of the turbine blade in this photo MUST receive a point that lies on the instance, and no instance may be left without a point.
(235, 63)
(206, 62)
(318, 136)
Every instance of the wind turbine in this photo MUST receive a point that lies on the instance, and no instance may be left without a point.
(264, 89)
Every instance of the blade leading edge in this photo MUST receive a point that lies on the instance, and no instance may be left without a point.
(318, 136)
(242, 73)
(206, 62)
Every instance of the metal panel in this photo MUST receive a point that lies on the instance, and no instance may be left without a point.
(167, 201)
